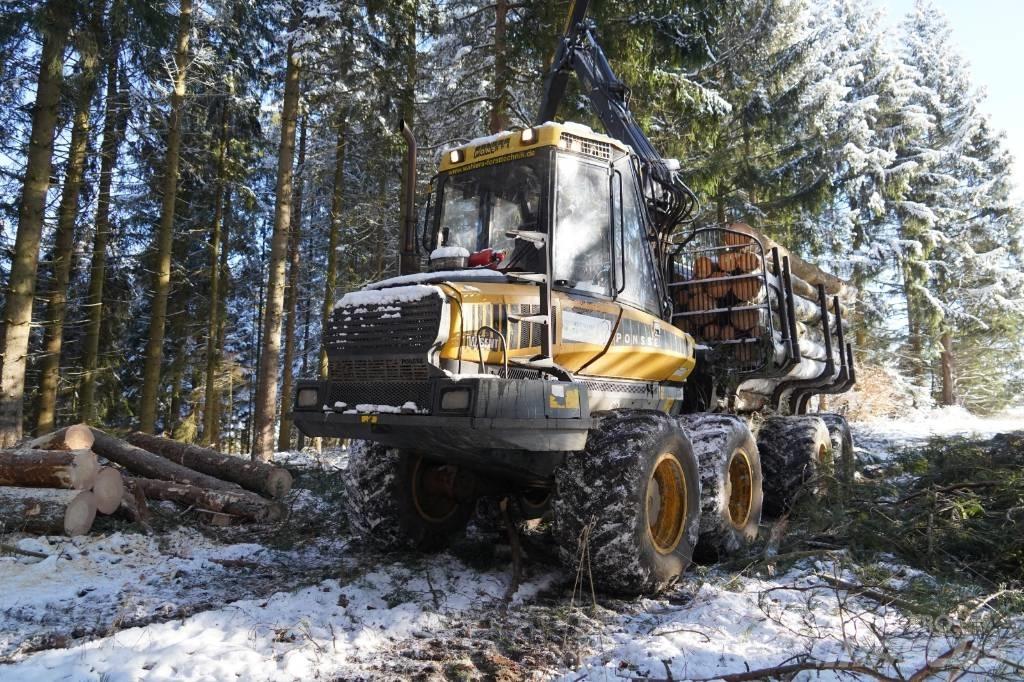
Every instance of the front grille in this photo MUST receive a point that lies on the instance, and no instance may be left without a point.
(379, 369)
(393, 394)
(384, 329)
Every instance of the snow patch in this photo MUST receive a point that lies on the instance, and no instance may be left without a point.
(398, 294)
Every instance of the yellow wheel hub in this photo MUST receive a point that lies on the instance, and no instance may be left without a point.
(666, 504)
(740, 490)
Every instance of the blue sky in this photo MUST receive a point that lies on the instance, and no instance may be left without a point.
(990, 37)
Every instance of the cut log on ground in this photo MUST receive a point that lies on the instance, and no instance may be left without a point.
(259, 477)
(149, 465)
(76, 437)
(70, 469)
(244, 505)
(109, 490)
(46, 510)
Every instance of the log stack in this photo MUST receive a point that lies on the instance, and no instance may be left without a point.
(727, 297)
(55, 484)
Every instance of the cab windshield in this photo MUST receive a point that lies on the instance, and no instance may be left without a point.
(478, 207)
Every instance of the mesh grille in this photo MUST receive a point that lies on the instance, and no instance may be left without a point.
(406, 328)
(379, 369)
(360, 393)
(601, 150)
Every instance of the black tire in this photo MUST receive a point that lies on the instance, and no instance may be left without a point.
(730, 481)
(795, 451)
(387, 511)
(637, 464)
(842, 446)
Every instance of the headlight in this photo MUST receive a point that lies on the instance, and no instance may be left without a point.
(307, 397)
(528, 136)
(455, 400)
(455, 156)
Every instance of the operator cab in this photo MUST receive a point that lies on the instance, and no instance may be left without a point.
(577, 188)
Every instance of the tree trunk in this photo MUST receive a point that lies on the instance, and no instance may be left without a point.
(291, 297)
(46, 510)
(109, 490)
(266, 389)
(144, 463)
(259, 477)
(133, 504)
(241, 504)
(113, 132)
(75, 437)
(17, 318)
(333, 240)
(499, 102)
(948, 369)
(64, 240)
(213, 352)
(73, 469)
(165, 232)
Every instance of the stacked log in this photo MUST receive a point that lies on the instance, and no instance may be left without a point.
(46, 510)
(55, 484)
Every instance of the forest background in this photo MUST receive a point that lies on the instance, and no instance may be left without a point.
(186, 187)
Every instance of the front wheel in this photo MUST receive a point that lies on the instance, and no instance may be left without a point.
(389, 504)
(627, 508)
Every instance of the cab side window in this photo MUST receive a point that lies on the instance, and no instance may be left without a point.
(640, 285)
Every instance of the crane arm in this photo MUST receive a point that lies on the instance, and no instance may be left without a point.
(671, 202)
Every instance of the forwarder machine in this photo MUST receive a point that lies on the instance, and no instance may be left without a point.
(578, 350)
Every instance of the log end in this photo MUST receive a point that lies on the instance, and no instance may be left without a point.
(79, 437)
(80, 514)
(279, 483)
(84, 469)
(109, 490)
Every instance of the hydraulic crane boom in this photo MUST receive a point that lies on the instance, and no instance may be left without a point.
(671, 202)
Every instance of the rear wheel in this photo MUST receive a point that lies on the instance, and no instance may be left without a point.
(842, 445)
(630, 503)
(730, 481)
(389, 504)
(796, 456)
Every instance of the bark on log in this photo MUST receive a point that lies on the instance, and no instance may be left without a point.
(242, 504)
(109, 490)
(145, 463)
(75, 469)
(259, 477)
(75, 437)
(801, 268)
(133, 504)
(46, 510)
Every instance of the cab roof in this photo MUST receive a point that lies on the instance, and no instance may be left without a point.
(487, 149)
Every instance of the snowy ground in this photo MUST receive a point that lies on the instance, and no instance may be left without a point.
(298, 602)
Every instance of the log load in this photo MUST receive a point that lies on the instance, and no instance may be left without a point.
(47, 510)
(75, 437)
(244, 505)
(259, 477)
(144, 463)
(70, 469)
(109, 490)
(802, 269)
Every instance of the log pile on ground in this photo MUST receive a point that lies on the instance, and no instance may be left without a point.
(55, 484)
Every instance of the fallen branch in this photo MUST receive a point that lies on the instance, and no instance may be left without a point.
(884, 598)
(11, 549)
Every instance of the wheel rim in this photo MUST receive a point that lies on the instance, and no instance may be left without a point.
(741, 488)
(666, 504)
(432, 508)
(824, 467)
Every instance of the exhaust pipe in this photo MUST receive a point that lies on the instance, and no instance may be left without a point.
(409, 263)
